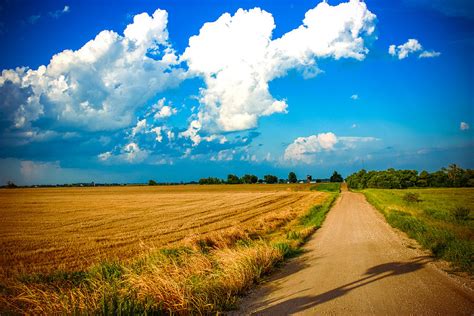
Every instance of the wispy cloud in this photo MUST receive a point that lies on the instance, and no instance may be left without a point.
(429, 54)
(33, 19)
(56, 14)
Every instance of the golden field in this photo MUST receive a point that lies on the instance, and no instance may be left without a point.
(69, 229)
(185, 249)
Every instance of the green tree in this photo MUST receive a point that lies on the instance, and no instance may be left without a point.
(270, 179)
(453, 176)
(152, 182)
(210, 180)
(233, 179)
(336, 177)
(439, 179)
(249, 178)
(292, 177)
(423, 179)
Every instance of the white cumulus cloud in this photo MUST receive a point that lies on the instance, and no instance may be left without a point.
(402, 51)
(237, 58)
(164, 112)
(411, 46)
(304, 149)
(100, 85)
(130, 153)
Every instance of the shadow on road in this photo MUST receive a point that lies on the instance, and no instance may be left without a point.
(373, 274)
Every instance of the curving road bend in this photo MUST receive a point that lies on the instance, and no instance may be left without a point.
(357, 264)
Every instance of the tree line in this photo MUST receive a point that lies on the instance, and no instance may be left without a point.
(268, 178)
(245, 179)
(452, 176)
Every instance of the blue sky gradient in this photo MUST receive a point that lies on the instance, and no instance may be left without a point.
(379, 111)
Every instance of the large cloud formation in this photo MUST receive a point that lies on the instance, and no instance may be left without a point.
(237, 58)
(97, 87)
(109, 89)
(305, 149)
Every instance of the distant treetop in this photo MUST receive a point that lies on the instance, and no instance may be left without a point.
(336, 177)
(292, 177)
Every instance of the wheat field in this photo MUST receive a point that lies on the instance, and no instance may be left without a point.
(48, 229)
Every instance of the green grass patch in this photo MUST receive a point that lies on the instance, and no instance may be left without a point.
(326, 187)
(440, 220)
(287, 249)
(317, 213)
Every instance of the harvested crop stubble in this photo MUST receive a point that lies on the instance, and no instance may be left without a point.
(201, 274)
(70, 229)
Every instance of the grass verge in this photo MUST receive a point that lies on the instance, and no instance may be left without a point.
(432, 219)
(327, 187)
(205, 275)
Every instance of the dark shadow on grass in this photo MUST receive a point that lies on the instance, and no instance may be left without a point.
(373, 274)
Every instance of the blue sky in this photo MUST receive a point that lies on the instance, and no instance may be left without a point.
(178, 90)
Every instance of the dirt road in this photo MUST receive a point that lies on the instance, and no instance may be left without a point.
(357, 264)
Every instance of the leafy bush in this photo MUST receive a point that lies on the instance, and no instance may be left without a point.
(411, 197)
